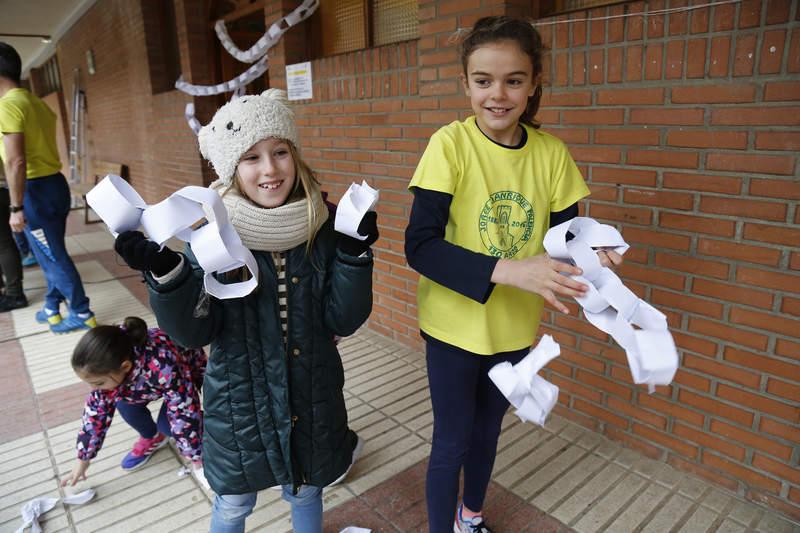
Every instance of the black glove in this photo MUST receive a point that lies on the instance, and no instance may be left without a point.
(142, 254)
(368, 227)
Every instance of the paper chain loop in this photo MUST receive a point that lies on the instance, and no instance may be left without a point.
(36, 507)
(613, 308)
(216, 245)
(532, 395)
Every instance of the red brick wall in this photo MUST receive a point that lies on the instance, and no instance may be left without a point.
(685, 127)
(127, 123)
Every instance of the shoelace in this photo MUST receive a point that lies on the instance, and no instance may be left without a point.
(479, 527)
(142, 446)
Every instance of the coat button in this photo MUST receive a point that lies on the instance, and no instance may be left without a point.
(295, 279)
(296, 352)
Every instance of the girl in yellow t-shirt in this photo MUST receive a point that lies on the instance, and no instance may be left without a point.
(485, 192)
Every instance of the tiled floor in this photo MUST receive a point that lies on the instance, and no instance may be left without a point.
(559, 478)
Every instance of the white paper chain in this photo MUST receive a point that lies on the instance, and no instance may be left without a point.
(610, 306)
(188, 113)
(35, 508)
(532, 395)
(216, 245)
(268, 40)
(231, 85)
(257, 52)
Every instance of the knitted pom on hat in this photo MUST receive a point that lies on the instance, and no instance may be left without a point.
(240, 124)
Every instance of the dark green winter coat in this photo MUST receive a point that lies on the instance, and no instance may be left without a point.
(274, 413)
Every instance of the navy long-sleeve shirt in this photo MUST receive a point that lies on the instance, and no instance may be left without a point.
(464, 271)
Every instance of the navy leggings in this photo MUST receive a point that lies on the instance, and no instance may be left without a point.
(139, 418)
(468, 410)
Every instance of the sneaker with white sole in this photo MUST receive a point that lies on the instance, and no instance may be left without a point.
(200, 476)
(356, 454)
(469, 525)
(142, 450)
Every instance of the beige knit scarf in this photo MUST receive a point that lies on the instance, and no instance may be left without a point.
(270, 230)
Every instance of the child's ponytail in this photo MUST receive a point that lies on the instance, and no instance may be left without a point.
(136, 329)
(103, 349)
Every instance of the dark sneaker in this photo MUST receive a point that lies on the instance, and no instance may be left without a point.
(7, 303)
(74, 322)
(142, 450)
(469, 525)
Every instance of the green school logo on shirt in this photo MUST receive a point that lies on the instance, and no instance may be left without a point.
(506, 223)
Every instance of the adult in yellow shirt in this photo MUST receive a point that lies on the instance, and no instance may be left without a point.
(39, 194)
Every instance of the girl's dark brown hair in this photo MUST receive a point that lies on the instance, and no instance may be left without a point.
(494, 29)
(103, 349)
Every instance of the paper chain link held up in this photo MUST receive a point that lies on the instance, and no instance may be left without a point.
(216, 245)
(613, 308)
(638, 327)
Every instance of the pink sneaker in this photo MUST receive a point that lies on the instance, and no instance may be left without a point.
(142, 450)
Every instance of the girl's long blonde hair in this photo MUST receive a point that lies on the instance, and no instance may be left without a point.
(305, 186)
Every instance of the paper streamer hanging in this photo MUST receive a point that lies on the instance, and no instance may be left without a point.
(355, 203)
(613, 308)
(188, 114)
(268, 40)
(35, 508)
(216, 245)
(532, 395)
(231, 85)
(257, 52)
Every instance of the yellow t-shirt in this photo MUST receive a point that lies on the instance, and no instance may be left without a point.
(502, 200)
(22, 112)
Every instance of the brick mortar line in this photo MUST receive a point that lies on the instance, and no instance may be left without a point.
(708, 419)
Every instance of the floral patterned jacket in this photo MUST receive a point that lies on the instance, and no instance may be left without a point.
(161, 369)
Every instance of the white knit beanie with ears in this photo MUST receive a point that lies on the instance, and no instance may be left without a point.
(240, 124)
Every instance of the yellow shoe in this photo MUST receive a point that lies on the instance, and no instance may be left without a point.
(74, 322)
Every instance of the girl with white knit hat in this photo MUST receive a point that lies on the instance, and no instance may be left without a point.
(274, 413)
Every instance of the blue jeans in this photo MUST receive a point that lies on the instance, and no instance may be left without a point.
(230, 510)
(468, 411)
(139, 418)
(46, 208)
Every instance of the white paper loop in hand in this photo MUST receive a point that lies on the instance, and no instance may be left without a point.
(355, 203)
(640, 329)
(35, 508)
(117, 204)
(354, 529)
(532, 395)
(216, 245)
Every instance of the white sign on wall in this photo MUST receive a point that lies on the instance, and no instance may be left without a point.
(298, 81)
